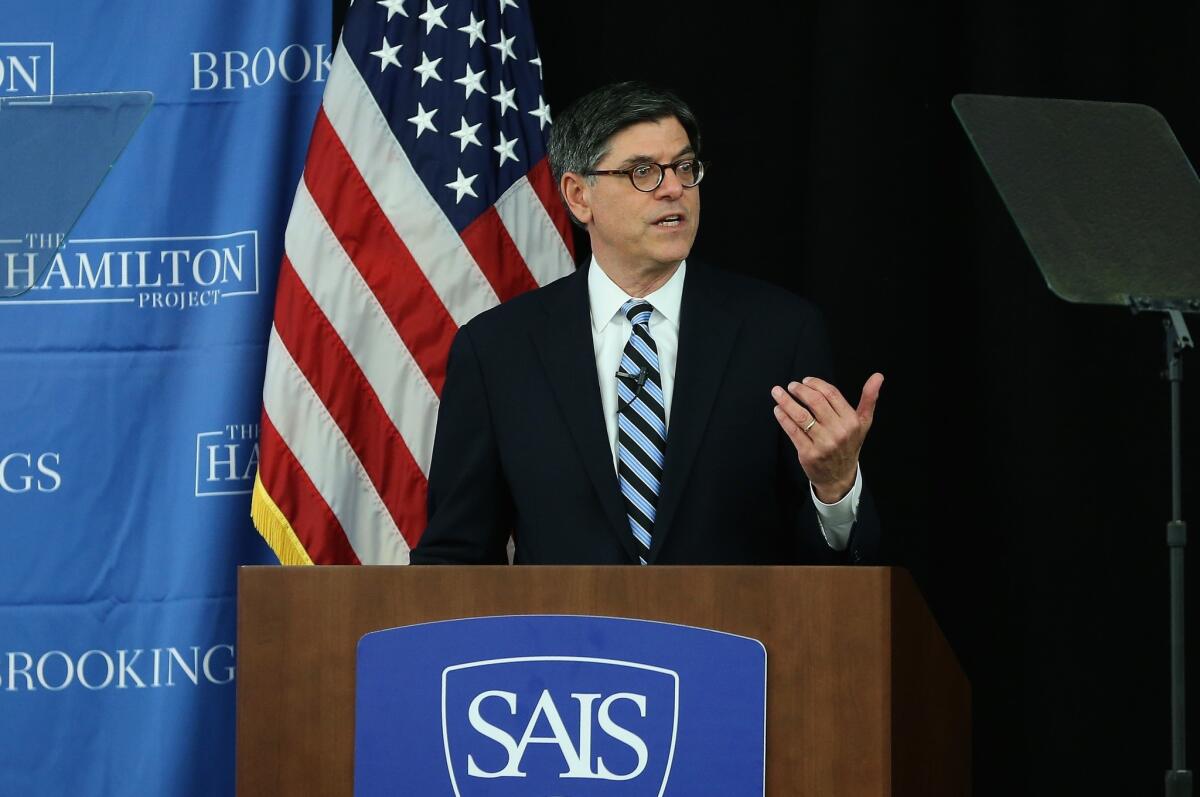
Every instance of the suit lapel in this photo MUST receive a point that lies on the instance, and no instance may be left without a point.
(707, 331)
(565, 346)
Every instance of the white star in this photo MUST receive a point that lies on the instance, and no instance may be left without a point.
(424, 119)
(505, 47)
(473, 81)
(505, 98)
(542, 113)
(463, 186)
(394, 7)
(428, 69)
(387, 54)
(474, 30)
(466, 135)
(506, 3)
(432, 16)
(538, 63)
(505, 148)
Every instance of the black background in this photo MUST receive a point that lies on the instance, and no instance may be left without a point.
(1020, 452)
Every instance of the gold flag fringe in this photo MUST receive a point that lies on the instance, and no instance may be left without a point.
(275, 528)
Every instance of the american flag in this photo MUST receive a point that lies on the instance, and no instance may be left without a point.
(426, 198)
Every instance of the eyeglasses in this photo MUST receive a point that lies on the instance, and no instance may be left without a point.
(646, 177)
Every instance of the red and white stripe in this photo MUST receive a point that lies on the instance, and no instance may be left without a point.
(374, 284)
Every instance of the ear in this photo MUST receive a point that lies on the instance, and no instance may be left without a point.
(577, 194)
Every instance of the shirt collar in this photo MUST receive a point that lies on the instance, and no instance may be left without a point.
(605, 297)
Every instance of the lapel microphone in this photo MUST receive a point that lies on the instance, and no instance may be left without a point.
(639, 379)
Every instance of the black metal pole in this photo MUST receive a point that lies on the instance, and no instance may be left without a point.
(1179, 778)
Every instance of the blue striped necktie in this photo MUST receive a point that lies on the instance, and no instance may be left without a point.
(641, 426)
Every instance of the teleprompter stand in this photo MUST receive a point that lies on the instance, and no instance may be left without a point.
(1109, 206)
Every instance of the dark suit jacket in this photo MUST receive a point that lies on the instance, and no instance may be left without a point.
(521, 444)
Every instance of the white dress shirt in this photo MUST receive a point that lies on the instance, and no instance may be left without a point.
(610, 334)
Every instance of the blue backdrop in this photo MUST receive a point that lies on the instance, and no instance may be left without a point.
(130, 391)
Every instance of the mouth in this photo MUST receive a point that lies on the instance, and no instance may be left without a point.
(670, 220)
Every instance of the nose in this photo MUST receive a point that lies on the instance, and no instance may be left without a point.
(670, 187)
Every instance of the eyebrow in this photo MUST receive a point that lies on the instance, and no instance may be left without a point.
(632, 159)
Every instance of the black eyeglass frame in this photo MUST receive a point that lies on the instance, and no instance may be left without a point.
(662, 173)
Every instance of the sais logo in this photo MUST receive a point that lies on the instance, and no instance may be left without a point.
(175, 273)
(26, 69)
(241, 69)
(25, 472)
(551, 725)
(227, 460)
(559, 706)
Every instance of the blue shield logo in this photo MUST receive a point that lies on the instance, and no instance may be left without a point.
(559, 706)
(553, 725)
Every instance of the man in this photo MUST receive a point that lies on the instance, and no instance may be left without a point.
(645, 409)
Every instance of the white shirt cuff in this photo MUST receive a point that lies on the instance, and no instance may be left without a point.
(837, 519)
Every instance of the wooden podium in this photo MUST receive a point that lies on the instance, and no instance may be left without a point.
(864, 696)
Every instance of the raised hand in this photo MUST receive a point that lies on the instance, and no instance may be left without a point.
(827, 432)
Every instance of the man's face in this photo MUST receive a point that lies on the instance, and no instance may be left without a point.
(636, 230)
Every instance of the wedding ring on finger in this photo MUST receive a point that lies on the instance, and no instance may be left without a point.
(811, 423)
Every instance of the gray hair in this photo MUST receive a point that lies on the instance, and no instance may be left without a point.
(581, 134)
